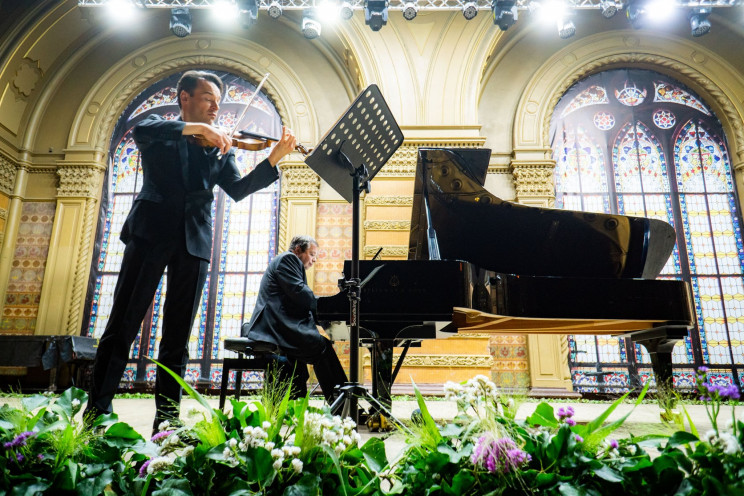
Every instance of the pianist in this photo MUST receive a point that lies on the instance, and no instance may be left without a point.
(285, 316)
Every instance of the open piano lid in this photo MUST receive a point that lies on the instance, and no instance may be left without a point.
(471, 224)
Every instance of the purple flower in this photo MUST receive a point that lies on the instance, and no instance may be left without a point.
(19, 457)
(569, 421)
(19, 440)
(498, 455)
(143, 468)
(564, 413)
(702, 370)
(579, 439)
(613, 444)
(161, 435)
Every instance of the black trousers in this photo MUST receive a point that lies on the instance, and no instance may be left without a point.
(328, 370)
(142, 267)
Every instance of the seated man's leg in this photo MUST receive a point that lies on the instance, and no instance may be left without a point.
(329, 371)
(286, 369)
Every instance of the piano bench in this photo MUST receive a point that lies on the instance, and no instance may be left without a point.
(252, 355)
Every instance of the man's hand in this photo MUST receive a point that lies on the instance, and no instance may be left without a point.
(212, 135)
(284, 146)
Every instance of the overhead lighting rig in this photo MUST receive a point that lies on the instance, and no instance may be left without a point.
(376, 12)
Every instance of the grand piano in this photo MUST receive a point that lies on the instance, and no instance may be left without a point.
(480, 264)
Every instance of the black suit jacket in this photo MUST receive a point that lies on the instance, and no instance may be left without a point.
(177, 182)
(284, 312)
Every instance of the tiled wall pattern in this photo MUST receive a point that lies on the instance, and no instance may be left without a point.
(21, 304)
(334, 239)
(511, 367)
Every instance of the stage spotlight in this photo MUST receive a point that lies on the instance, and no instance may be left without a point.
(504, 13)
(635, 12)
(346, 11)
(607, 8)
(247, 12)
(410, 9)
(566, 28)
(180, 22)
(376, 14)
(469, 10)
(310, 24)
(699, 23)
(275, 10)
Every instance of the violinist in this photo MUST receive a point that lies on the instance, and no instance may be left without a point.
(170, 225)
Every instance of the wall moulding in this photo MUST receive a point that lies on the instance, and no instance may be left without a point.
(8, 170)
(469, 361)
(397, 201)
(399, 251)
(79, 181)
(387, 225)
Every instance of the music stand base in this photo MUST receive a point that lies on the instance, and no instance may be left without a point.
(346, 405)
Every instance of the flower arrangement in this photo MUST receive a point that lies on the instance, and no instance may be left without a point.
(287, 447)
(283, 447)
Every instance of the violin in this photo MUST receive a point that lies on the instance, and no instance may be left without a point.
(249, 141)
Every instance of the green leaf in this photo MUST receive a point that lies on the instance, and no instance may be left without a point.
(374, 454)
(33, 402)
(308, 485)
(680, 438)
(96, 484)
(431, 430)
(174, 487)
(608, 474)
(186, 387)
(462, 482)
(569, 490)
(593, 434)
(693, 428)
(543, 415)
(452, 430)
(124, 431)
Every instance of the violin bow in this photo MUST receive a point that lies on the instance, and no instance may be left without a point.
(250, 102)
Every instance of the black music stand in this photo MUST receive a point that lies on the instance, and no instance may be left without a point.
(347, 158)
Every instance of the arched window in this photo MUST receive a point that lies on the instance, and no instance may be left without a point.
(636, 142)
(244, 235)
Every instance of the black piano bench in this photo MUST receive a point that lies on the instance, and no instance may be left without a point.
(252, 355)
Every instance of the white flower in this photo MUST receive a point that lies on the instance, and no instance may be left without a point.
(248, 431)
(233, 442)
(187, 451)
(163, 426)
(346, 440)
(710, 436)
(632, 449)
(269, 446)
(277, 464)
(297, 465)
(75, 404)
(730, 444)
(295, 450)
(252, 407)
(158, 464)
(277, 453)
(226, 452)
(340, 447)
(266, 425)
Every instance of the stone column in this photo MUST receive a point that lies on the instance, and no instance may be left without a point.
(548, 354)
(298, 209)
(70, 249)
(13, 180)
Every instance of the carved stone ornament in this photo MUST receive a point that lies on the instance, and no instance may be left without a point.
(78, 181)
(27, 76)
(533, 181)
(7, 175)
(469, 361)
(387, 251)
(387, 225)
(299, 180)
(393, 201)
(403, 161)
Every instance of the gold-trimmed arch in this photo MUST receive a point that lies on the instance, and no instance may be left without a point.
(101, 109)
(712, 78)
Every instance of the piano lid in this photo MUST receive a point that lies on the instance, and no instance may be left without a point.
(455, 218)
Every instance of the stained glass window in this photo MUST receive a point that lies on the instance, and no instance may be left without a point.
(244, 236)
(664, 158)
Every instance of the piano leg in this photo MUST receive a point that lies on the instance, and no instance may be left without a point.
(659, 342)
